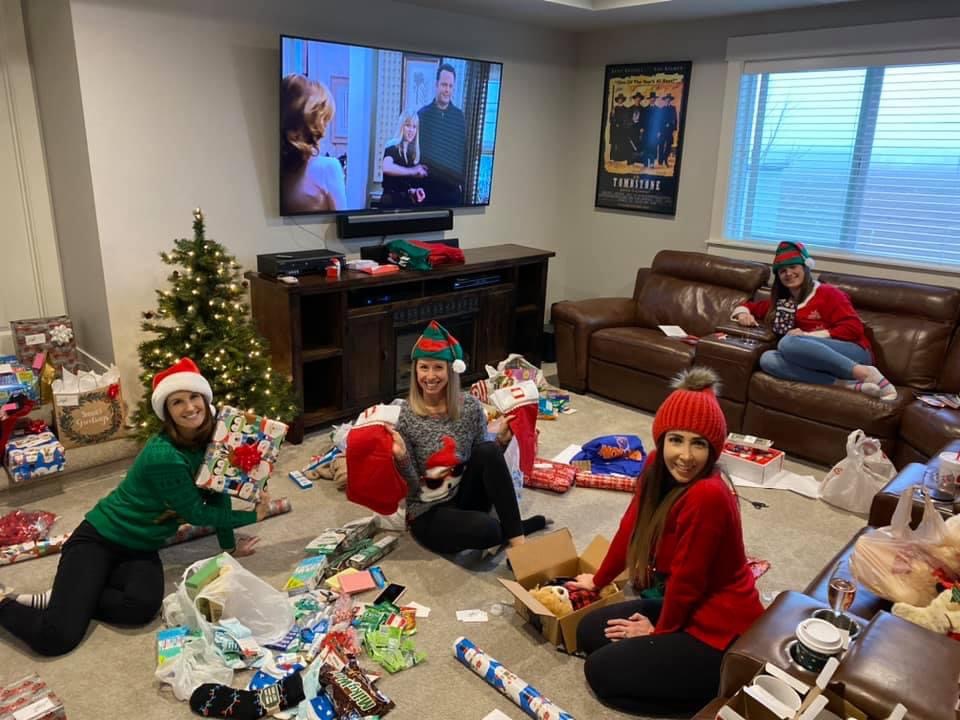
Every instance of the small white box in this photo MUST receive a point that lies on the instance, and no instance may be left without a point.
(752, 465)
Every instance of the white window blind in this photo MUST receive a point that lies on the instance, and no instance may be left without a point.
(857, 160)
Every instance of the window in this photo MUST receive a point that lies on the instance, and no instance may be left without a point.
(857, 160)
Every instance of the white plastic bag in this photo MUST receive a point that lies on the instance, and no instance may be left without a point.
(901, 564)
(852, 482)
(512, 456)
(242, 595)
(197, 663)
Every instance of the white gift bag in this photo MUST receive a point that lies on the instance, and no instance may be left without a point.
(852, 482)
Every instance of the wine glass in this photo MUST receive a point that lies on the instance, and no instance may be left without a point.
(841, 591)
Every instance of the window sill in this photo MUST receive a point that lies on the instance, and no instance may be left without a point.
(841, 258)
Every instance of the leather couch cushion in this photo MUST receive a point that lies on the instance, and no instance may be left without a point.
(909, 324)
(950, 375)
(928, 429)
(642, 349)
(829, 404)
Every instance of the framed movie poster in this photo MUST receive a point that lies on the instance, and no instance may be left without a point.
(641, 136)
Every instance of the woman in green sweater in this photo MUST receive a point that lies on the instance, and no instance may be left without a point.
(110, 569)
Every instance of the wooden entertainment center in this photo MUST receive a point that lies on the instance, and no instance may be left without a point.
(345, 342)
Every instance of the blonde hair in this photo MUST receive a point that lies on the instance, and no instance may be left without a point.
(454, 396)
(306, 108)
(413, 157)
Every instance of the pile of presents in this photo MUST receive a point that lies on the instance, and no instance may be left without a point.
(85, 407)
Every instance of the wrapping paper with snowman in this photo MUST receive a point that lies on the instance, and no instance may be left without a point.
(241, 454)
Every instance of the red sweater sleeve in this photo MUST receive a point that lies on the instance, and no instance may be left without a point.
(758, 309)
(841, 319)
(616, 558)
(701, 527)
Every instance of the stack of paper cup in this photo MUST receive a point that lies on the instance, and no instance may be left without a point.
(948, 475)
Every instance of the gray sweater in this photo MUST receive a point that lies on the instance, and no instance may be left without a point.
(428, 483)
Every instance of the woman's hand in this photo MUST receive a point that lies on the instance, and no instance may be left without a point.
(263, 506)
(504, 434)
(636, 625)
(746, 319)
(245, 545)
(584, 581)
(796, 332)
(399, 447)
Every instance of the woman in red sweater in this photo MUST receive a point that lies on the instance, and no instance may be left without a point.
(822, 338)
(682, 542)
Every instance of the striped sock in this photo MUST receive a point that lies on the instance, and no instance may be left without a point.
(37, 601)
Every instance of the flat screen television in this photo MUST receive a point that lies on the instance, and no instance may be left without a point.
(373, 129)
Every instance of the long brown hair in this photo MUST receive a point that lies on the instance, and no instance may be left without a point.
(201, 438)
(653, 511)
(779, 291)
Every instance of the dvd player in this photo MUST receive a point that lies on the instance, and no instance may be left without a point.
(303, 262)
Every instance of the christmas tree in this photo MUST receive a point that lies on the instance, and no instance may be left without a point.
(204, 315)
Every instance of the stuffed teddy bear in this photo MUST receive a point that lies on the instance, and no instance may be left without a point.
(562, 599)
(941, 616)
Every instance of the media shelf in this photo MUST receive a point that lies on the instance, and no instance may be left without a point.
(345, 343)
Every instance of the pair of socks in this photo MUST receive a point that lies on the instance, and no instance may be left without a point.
(37, 601)
(875, 385)
(223, 701)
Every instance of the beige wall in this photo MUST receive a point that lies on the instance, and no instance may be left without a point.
(608, 246)
(179, 106)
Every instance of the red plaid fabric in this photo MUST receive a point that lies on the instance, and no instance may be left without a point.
(605, 482)
(549, 475)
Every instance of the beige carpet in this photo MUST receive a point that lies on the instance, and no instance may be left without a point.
(111, 674)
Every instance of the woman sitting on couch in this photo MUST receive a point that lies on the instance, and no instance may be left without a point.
(822, 338)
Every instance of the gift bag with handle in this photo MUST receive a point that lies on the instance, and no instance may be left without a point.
(852, 482)
(901, 564)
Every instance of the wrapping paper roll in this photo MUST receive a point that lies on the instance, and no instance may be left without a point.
(527, 697)
(186, 532)
(32, 549)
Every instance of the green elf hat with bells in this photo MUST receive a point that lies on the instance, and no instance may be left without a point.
(437, 343)
(791, 253)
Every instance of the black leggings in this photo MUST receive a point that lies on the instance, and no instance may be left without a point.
(465, 523)
(672, 674)
(96, 580)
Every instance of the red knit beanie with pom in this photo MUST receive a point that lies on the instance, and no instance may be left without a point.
(693, 407)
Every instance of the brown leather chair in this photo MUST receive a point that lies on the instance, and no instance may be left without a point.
(613, 347)
(909, 325)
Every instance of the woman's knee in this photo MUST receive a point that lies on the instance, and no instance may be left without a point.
(56, 641)
(769, 361)
(486, 453)
(144, 609)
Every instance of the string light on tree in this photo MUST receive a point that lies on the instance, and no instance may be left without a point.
(201, 311)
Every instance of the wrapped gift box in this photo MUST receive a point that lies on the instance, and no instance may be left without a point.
(33, 456)
(601, 481)
(30, 699)
(15, 379)
(88, 407)
(242, 454)
(752, 464)
(549, 475)
(52, 335)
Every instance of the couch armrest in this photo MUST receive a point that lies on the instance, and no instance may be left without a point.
(573, 324)
(760, 333)
(734, 359)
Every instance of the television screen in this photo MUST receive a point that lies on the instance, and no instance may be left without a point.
(365, 128)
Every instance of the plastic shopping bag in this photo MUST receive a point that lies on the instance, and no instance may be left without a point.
(852, 482)
(198, 663)
(241, 595)
(898, 563)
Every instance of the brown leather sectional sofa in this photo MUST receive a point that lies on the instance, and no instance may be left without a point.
(612, 347)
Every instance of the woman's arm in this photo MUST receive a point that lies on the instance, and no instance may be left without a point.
(392, 167)
(616, 558)
(757, 310)
(178, 491)
(842, 321)
(702, 525)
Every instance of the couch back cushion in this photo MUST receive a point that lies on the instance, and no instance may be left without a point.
(696, 290)
(909, 325)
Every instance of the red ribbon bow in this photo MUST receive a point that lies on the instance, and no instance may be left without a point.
(113, 390)
(245, 457)
(35, 427)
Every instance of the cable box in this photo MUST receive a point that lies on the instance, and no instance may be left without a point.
(303, 262)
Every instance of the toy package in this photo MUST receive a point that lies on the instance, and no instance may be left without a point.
(30, 699)
(241, 455)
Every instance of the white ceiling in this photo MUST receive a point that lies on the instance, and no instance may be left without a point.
(585, 15)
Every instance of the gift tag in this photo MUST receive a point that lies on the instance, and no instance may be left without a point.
(35, 339)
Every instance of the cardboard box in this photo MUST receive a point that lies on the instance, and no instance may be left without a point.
(542, 559)
(52, 335)
(33, 456)
(752, 464)
(90, 416)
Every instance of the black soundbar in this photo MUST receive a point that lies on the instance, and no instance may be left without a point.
(395, 223)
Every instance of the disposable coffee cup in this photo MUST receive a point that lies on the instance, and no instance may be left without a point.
(780, 690)
(817, 641)
(948, 476)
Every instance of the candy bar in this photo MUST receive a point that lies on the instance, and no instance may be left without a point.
(352, 692)
(307, 575)
(300, 479)
(369, 555)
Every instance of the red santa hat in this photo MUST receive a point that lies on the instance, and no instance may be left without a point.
(182, 375)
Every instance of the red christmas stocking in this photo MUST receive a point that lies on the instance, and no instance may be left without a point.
(520, 404)
(372, 476)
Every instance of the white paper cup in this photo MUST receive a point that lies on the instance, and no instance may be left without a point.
(780, 690)
(948, 476)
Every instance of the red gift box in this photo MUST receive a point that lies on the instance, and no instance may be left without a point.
(549, 475)
(605, 482)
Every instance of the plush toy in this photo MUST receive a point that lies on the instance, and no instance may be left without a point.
(941, 616)
(563, 597)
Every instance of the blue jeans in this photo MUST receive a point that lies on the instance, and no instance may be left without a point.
(815, 360)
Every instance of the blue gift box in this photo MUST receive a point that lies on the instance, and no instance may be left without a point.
(15, 379)
(33, 456)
